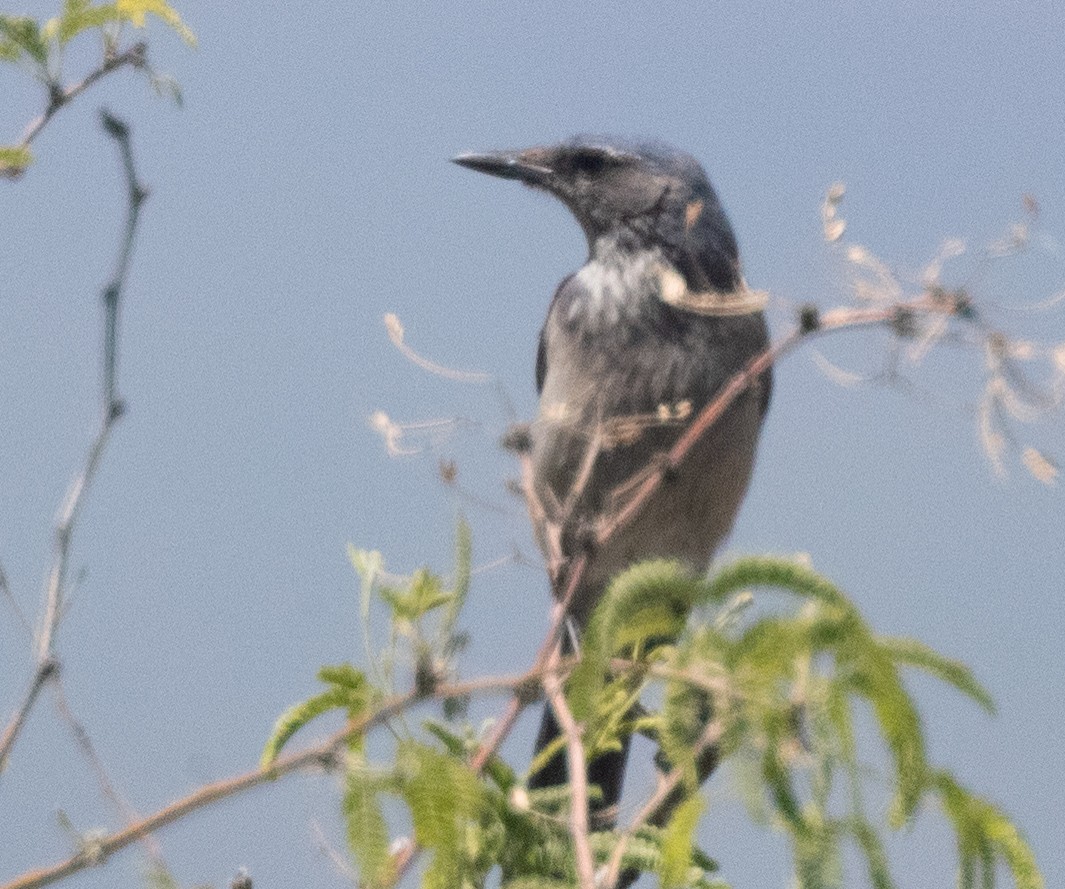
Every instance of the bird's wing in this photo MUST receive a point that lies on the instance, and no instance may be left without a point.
(541, 350)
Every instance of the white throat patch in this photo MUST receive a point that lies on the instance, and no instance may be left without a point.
(608, 287)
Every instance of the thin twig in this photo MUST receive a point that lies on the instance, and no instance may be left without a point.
(578, 805)
(44, 671)
(524, 694)
(653, 809)
(58, 97)
(55, 588)
(5, 591)
(333, 854)
(121, 805)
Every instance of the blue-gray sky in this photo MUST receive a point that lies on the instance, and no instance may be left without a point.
(304, 191)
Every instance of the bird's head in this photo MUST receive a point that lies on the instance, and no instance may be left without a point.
(634, 195)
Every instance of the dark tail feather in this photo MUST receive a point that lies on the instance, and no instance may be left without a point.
(606, 771)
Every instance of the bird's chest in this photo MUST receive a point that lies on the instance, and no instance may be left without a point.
(610, 298)
(613, 347)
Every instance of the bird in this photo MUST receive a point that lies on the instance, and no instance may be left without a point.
(635, 343)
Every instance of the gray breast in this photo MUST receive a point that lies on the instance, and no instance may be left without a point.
(622, 383)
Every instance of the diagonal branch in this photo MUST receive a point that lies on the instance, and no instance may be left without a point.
(60, 97)
(656, 810)
(324, 755)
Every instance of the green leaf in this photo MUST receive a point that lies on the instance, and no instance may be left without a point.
(14, 159)
(156, 876)
(345, 676)
(778, 782)
(426, 592)
(985, 834)
(644, 852)
(21, 34)
(645, 604)
(349, 691)
(135, 11)
(463, 568)
(368, 564)
(770, 571)
(678, 841)
(501, 774)
(444, 796)
(875, 855)
(911, 653)
(874, 676)
(817, 857)
(686, 711)
(296, 717)
(423, 593)
(79, 16)
(366, 829)
(863, 663)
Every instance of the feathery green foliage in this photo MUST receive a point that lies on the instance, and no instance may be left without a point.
(985, 837)
(783, 684)
(463, 570)
(648, 602)
(366, 830)
(444, 798)
(136, 11)
(14, 159)
(496, 769)
(21, 38)
(40, 49)
(78, 16)
(677, 845)
(348, 690)
(912, 653)
(764, 680)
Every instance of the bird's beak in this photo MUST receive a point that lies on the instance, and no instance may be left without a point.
(520, 165)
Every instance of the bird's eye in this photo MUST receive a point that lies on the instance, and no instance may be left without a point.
(589, 162)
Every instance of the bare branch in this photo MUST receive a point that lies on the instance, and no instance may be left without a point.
(5, 591)
(45, 670)
(107, 788)
(55, 588)
(59, 97)
(578, 805)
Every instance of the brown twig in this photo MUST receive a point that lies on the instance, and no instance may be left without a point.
(578, 804)
(44, 671)
(524, 694)
(653, 808)
(323, 755)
